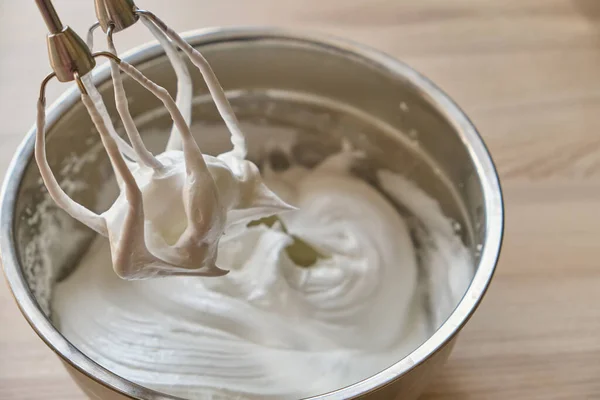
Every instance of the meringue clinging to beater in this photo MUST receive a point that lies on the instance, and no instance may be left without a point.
(173, 208)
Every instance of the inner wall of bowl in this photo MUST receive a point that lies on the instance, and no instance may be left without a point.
(278, 87)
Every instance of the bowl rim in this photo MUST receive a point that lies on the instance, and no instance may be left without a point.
(478, 152)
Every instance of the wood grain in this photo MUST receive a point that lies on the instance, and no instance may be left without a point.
(526, 71)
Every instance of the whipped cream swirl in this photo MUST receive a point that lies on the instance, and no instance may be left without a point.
(271, 329)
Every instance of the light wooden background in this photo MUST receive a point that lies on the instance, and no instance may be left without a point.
(526, 71)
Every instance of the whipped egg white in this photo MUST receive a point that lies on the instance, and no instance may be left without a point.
(271, 329)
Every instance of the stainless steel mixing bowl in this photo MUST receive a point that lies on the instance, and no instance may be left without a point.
(323, 89)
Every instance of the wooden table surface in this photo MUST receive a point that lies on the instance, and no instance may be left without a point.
(528, 74)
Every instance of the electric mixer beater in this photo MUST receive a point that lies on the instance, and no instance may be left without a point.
(174, 207)
(117, 15)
